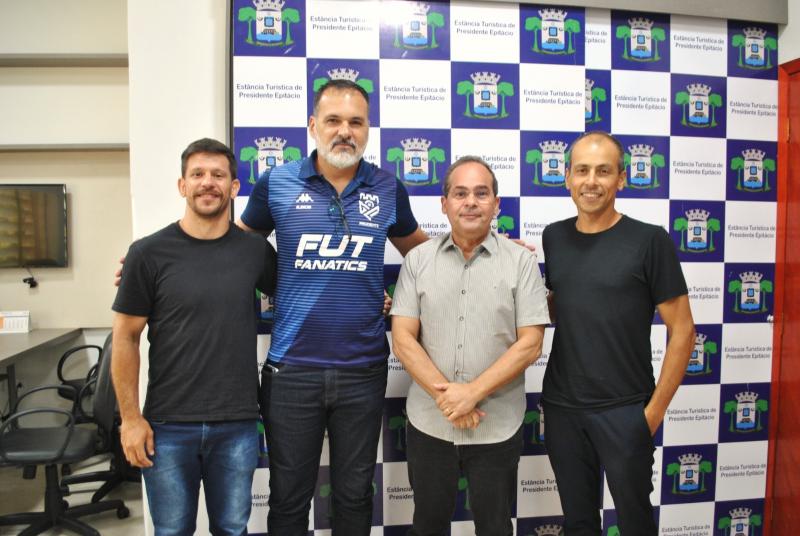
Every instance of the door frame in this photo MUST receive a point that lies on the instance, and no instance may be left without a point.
(784, 72)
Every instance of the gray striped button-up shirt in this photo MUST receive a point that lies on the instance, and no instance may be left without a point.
(469, 311)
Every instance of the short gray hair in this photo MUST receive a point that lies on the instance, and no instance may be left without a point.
(466, 160)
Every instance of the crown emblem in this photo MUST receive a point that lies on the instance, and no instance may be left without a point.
(751, 277)
(640, 23)
(746, 396)
(553, 14)
(485, 78)
(640, 149)
(553, 146)
(589, 84)
(343, 74)
(548, 530)
(697, 214)
(271, 5)
(754, 33)
(699, 89)
(753, 154)
(420, 8)
(690, 459)
(270, 143)
(415, 144)
(738, 513)
(700, 338)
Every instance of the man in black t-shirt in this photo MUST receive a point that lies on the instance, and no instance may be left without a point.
(607, 274)
(192, 283)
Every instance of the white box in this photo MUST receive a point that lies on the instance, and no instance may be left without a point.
(15, 321)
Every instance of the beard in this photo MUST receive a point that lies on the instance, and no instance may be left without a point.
(341, 159)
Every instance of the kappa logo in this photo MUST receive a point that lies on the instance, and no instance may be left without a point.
(368, 205)
(303, 201)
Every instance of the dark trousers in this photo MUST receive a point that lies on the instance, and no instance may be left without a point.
(434, 467)
(579, 443)
(298, 404)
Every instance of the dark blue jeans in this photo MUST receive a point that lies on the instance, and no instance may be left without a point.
(298, 404)
(221, 454)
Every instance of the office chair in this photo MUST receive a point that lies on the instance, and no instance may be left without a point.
(50, 445)
(77, 383)
(100, 392)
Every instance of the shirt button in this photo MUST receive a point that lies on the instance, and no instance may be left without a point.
(460, 345)
(463, 291)
(461, 318)
(466, 266)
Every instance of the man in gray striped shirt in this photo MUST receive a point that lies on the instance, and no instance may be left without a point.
(469, 314)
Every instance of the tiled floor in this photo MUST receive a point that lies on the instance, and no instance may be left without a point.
(19, 495)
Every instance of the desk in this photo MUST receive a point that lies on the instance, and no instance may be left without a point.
(15, 346)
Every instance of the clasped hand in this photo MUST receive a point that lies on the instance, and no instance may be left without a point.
(458, 404)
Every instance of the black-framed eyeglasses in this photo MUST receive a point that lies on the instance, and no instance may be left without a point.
(337, 215)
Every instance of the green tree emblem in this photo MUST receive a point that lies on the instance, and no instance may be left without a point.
(714, 101)
(674, 469)
(598, 95)
(767, 165)
(436, 156)
(325, 493)
(249, 154)
(533, 417)
(534, 156)
(289, 16)
(571, 26)
(534, 24)
(463, 485)
(613, 530)
(435, 20)
(770, 45)
(709, 349)
(505, 224)
(681, 225)
(735, 288)
(504, 89)
(466, 88)
(724, 523)
(624, 32)
(398, 424)
(658, 35)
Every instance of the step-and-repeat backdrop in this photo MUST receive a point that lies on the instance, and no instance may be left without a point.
(694, 102)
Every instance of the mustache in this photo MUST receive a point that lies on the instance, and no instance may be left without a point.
(342, 141)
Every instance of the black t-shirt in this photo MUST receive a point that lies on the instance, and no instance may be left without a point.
(199, 297)
(606, 286)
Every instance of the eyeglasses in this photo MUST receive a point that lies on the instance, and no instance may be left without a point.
(336, 214)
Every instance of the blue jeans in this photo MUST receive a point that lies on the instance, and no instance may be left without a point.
(221, 454)
(298, 405)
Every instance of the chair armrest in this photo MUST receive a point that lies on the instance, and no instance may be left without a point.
(71, 351)
(10, 427)
(85, 392)
(42, 388)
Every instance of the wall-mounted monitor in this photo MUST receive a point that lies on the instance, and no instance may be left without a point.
(33, 225)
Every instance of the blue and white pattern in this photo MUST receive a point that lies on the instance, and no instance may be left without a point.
(694, 102)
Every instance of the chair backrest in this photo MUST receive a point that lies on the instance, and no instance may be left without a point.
(105, 399)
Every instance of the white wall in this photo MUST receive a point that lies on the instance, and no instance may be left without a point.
(789, 35)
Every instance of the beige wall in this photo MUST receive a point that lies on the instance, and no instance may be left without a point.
(99, 231)
(789, 35)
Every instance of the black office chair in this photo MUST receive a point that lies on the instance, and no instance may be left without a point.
(98, 403)
(77, 383)
(50, 446)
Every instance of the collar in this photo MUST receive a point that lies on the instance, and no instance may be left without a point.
(365, 173)
(489, 243)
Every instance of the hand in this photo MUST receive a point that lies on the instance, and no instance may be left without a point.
(526, 245)
(653, 419)
(387, 303)
(118, 273)
(456, 400)
(471, 420)
(137, 441)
